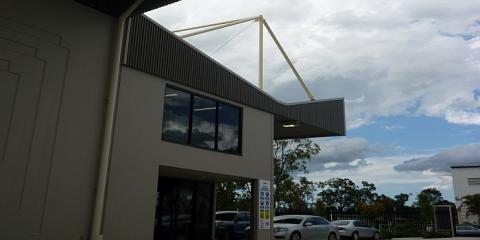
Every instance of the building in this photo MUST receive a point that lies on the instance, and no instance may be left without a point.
(111, 127)
(466, 181)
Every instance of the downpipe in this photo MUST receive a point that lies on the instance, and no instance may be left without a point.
(97, 220)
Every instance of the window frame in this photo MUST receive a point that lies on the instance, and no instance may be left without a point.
(217, 103)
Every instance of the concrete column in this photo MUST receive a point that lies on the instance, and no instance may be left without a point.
(259, 234)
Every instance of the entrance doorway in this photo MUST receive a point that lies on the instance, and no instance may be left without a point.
(184, 210)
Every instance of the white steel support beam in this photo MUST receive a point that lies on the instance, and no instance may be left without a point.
(288, 60)
(209, 25)
(217, 26)
(261, 23)
(260, 52)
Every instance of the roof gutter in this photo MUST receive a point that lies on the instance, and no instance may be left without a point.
(99, 205)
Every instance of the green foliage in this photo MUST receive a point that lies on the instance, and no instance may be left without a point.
(472, 202)
(290, 158)
(386, 201)
(425, 201)
(401, 199)
(344, 194)
(233, 196)
(371, 210)
(386, 233)
(408, 229)
(434, 195)
(320, 209)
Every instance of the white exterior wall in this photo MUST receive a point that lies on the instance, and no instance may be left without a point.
(139, 156)
(462, 188)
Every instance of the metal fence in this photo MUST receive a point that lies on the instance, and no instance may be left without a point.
(386, 220)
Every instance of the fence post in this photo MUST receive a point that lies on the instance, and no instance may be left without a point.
(394, 216)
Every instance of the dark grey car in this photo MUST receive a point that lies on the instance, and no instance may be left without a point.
(232, 225)
(355, 230)
(467, 231)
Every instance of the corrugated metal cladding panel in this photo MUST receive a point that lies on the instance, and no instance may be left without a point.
(155, 50)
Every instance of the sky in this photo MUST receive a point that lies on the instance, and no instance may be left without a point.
(409, 72)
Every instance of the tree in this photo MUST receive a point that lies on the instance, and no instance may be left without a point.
(386, 201)
(291, 158)
(425, 201)
(320, 209)
(434, 194)
(233, 196)
(371, 210)
(401, 199)
(472, 202)
(344, 194)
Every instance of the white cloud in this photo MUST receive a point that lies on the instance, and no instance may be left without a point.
(468, 154)
(393, 127)
(386, 57)
(381, 172)
(341, 153)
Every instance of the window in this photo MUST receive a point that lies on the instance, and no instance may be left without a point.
(320, 221)
(228, 128)
(473, 181)
(341, 223)
(289, 220)
(243, 217)
(201, 122)
(176, 116)
(225, 216)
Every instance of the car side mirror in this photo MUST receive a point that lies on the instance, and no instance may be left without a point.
(307, 224)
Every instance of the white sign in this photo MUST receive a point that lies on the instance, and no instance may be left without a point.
(264, 204)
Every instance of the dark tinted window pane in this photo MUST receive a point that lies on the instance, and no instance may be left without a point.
(228, 128)
(225, 216)
(176, 116)
(289, 220)
(203, 122)
(341, 223)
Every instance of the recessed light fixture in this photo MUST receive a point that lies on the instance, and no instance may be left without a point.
(171, 95)
(289, 125)
(204, 109)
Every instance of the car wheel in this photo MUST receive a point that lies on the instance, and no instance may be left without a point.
(355, 236)
(296, 236)
(332, 236)
(376, 236)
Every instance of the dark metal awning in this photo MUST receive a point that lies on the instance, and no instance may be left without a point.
(321, 118)
(155, 50)
(116, 7)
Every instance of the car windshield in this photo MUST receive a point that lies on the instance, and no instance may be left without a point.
(225, 216)
(341, 223)
(289, 220)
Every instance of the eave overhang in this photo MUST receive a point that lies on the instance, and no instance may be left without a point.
(116, 7)
(153, 49)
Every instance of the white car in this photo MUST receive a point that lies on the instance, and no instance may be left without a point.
(303, 227)
(355, 230)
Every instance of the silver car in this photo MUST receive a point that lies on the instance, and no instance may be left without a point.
(303, 227)
(355, 230)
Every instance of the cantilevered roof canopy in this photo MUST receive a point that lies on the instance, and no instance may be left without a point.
(116, 7)
(153, 49)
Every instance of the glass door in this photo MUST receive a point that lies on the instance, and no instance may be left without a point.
(184, 210)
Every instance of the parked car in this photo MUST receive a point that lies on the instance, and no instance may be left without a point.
(464, 230)
(355, 230)
(231, 225)
(303, 227)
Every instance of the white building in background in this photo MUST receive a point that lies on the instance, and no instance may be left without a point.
(466, 181)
